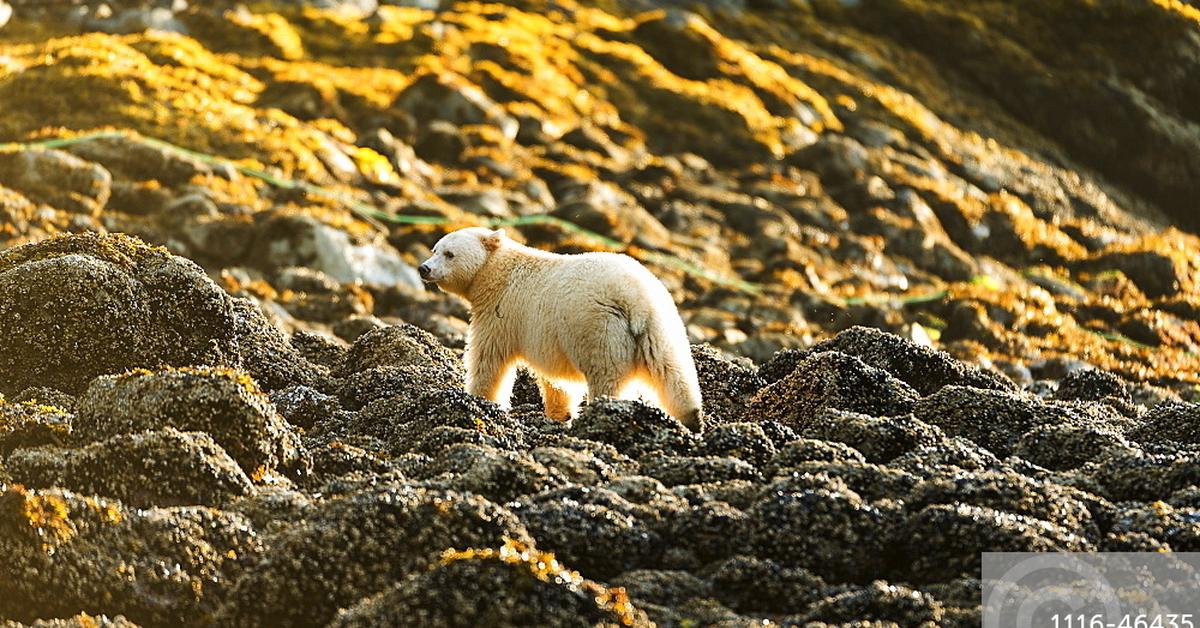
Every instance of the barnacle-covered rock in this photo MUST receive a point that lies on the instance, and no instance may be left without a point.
(880, 439)
(674, 470)
(358, 545)
(163, 467)
(63, 553)
(834, 533)
(510, 585)
(753, 585)
(594, 530)
(633, 427)
(725, 386)
(945, 541)
(830, 380)
(224, 403)
(75, 307)
(921, 367)
(878, 601)
(28, 424)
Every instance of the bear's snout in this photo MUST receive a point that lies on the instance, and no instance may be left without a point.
(424, 271)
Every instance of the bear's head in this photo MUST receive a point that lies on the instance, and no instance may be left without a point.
(458, 256)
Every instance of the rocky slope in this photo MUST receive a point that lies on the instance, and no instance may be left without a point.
(935, 257)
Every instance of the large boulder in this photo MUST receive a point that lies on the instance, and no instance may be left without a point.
(223, 403)
(75, 307)
(297, 240)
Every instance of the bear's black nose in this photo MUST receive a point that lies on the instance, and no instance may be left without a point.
(424, 271)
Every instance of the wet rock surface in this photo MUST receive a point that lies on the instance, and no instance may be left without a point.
(931, 263)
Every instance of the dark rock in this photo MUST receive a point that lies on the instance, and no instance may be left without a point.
(320, 349)
(27, 424)
(265, 352)
(357, 545)
(834, 533)
(878, 601)
(1174, 528)
(810, 450)
(1154, 273)
(830, 380)
(712, 530)
(338, 459)
(633, 427)
(879, 439)
(157, 468)
(746, 441)
(1132, 474)
(725, 386)
(223, 403)
(400, 345)
(1008, 492)
(1064, 446)
(675, 470)
(580, 467)
(664, 588)
(945, 541)
(1092, 385)
(756, 586)
(954, 453)
(304, 407)
(512, 585)
(63, 553)
(925, 369)
(273, 508)
(873, 482)
(500, 476)
(402, 424)
(1172, 421)
(75, 307)
(972, 413)
(595, 532)
(381, 382)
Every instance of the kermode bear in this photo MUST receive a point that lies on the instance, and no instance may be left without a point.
(598, 318)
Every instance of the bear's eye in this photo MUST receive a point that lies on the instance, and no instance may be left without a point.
(449, 255)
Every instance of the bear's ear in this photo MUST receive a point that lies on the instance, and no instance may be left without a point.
(492, 240)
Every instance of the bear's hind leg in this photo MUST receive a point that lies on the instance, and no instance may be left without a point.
(555, 400)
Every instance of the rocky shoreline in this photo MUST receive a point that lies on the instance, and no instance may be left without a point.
(928, 323)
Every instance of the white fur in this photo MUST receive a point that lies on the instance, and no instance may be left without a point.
(597, 318)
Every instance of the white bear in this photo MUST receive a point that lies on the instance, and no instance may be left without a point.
(598, 318)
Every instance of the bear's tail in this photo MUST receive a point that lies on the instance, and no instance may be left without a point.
(666, 355)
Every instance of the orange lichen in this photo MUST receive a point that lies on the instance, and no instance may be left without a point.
(546, 568)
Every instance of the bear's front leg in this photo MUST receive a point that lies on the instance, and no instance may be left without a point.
(486, 375)
(556, 402)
